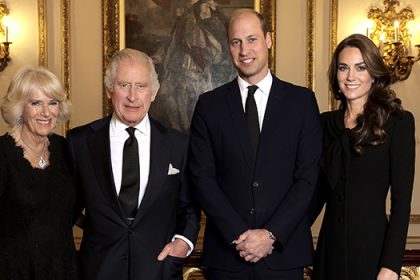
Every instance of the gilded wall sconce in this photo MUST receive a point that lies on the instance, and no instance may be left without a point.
(392, 36)
(4, 36)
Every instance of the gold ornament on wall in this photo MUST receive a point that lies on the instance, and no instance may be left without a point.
(4, 36)
(389, 30)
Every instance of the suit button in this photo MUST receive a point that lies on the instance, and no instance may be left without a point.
(252, 211)
(255, 184)
(124, 258)
(340, 197)
(340, 219)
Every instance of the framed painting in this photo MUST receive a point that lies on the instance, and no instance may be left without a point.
(187, 42)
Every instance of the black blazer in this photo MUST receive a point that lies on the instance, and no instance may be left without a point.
(111, 249)
(274, 191)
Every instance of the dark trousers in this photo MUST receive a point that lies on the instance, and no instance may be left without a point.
(258, 271)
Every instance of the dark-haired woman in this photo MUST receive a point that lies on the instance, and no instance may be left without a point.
(369, 149)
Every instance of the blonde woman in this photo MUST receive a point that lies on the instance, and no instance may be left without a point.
(36, 193)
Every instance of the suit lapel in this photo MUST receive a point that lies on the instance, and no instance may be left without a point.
(100, 154)
(159, 164)
(273, 109)
(239, 120)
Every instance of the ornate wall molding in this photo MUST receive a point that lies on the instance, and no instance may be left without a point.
(111, 40)
(268, 9)
(65, 44)
(332, 103)
(414, 219)
(310, 57)
(66, 51)
(42, 33)
(410, 273)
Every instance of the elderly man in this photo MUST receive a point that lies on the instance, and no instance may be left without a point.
(140, 222)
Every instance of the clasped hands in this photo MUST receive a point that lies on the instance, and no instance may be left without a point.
(254, 244)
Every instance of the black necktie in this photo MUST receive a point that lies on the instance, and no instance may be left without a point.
(252, 117)
(130, 182)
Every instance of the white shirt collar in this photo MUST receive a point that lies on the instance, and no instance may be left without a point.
(117, 127)
(264, 85)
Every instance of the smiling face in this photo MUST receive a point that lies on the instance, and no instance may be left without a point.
(39, 115)
(353, 78)
(132, 91)
(249, 46)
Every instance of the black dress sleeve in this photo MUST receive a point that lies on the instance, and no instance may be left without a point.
(402, 161)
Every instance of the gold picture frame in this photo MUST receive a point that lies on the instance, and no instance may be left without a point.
(310, 34)
(65, 45)
(111, 33)
(332, 102)
(42, 27)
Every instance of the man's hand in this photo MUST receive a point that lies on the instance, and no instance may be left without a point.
(177, 248)
(387, 274)
(254, 245)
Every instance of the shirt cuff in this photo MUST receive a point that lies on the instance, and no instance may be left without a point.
(177, 236)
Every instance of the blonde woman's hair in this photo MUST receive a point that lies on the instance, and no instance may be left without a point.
(27, 80)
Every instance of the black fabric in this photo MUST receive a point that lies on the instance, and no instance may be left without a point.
(36, 212)
(252, 117)
(274, 191)
(257, 271)
(130, 183)
(356, 238)
(172, 268)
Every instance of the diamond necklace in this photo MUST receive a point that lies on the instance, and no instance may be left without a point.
(42, 163)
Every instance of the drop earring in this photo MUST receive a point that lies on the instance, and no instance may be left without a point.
(19, 122)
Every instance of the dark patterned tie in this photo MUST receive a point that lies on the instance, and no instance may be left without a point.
(130, 182)
(252, 117)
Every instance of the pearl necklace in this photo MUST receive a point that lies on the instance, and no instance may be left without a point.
(42, 163)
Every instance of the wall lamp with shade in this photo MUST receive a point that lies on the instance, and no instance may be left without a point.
(4, 36)
(390, 31)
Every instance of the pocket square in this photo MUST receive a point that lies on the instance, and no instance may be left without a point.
(172, 170)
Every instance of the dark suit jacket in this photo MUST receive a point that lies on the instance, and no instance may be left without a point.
(111, 249)
(273, 192)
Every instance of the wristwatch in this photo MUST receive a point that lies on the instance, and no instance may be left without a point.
(276, 244)
(271, 235)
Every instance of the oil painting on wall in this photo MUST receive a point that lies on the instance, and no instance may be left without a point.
(187, 41)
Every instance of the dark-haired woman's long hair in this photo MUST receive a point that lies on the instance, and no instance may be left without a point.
(381, 101)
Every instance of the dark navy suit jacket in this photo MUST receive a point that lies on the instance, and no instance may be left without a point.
(274, 191)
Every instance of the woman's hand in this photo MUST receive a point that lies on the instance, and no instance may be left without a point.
(387, 274)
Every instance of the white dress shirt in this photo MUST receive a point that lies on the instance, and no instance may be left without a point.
(261, 95)
(118, 135)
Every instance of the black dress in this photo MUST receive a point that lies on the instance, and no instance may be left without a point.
(356, 238)
(36, 208)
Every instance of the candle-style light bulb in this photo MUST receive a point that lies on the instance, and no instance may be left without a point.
(382, 37)
(369, 26)
(5, 22)
(396, 25)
